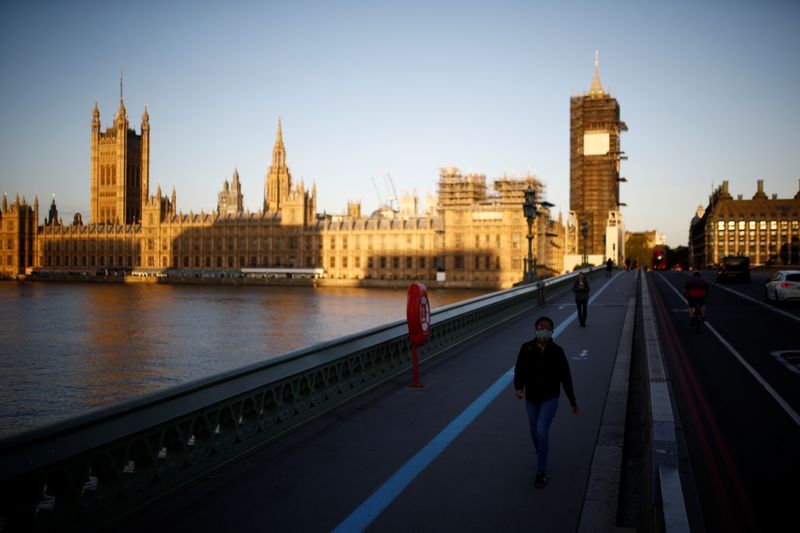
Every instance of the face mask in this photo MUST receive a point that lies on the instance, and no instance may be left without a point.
(544, 335)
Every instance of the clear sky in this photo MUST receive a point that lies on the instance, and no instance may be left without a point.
(709, 91)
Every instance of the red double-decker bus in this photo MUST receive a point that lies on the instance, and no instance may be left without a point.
(659, 259)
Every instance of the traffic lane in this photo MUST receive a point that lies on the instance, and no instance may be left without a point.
(764, 337)
(703, 406)
(740, 441)
(756, 290)
(753, 288)
(484, 480)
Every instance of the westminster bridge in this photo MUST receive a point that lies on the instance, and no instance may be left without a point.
(334, 438)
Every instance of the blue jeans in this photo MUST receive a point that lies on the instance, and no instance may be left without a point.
(582, 308)
(540, 418)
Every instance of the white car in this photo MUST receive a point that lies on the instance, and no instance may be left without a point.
(784, 285)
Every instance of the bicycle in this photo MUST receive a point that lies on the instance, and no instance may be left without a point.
(698, 318)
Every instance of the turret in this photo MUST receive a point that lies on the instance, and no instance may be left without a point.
(145, 162)
(96, 119)
(760, 194)
(52, 216)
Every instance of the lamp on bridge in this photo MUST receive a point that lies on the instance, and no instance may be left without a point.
(529, 208)
(584, 232)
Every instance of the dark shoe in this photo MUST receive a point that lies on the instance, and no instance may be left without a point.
(541, 481)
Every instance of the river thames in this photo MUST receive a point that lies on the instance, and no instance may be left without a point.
(68, 348)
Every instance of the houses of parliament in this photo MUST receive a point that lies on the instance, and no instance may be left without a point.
(473, 235)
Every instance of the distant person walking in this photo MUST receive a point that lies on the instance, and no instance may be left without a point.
(541, 370)
(581, 289)
(609, 267)
(627, 263)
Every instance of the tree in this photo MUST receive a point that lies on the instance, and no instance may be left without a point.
(678, 255)
(637, 249)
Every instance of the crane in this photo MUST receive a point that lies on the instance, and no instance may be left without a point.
(380, 200)
(393, 200)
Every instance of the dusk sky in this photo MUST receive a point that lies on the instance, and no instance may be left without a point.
(709, 91)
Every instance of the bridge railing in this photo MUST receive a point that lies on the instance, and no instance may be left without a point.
(93, 469)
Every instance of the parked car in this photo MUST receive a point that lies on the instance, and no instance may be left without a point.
(784, 285)
(735, 268)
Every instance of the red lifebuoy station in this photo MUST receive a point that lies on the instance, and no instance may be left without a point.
(418, 315)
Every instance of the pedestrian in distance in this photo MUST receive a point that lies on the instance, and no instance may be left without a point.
(581, 289)
(540, 373)
(609, 267)
(627, 264)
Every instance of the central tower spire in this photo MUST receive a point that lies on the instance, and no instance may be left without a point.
(278, 181)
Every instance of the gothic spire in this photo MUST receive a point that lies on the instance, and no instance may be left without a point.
(596, 91)
(121, 113)
(96, 118)
(279, 151)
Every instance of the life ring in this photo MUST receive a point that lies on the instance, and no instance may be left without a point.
(418, 314)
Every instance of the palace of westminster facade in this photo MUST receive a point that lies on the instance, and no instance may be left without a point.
(474, 237)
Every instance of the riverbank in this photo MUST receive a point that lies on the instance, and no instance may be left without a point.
(235, 280)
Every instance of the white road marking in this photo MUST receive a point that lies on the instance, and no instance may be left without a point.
(777, 397)
(759, 302)
(583, 356)
(779, 355)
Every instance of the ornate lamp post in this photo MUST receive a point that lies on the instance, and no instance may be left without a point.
(584, 232)
(529, 209)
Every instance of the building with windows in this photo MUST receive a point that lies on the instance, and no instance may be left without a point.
(765, 229)
(474, 235)
(18, 225)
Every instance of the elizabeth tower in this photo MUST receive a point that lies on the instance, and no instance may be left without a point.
(594, 159)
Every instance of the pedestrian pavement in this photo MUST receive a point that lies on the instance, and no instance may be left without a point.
(454, 455)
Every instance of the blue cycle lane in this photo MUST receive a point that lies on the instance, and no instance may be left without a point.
(477, 473)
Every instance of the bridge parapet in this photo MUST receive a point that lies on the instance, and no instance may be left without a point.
(90, 470)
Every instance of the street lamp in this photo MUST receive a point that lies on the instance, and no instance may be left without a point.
(584, 232)
(529, 209)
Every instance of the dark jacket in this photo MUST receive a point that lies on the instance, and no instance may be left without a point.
(581, 292)
(541, 373)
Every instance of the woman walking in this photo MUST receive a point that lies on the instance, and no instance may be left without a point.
(541, 370)
(581, 289)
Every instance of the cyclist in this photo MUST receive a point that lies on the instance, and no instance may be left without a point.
(696, 290)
